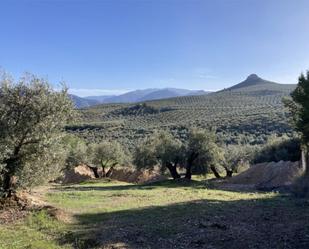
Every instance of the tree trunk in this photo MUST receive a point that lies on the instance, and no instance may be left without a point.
(95, 171)
(103, 171)
(109, 172)
(173, 170)
(7, 184)
(188, 174)
(229, 172)
(190, 161)
(305, 161)
(214, 170)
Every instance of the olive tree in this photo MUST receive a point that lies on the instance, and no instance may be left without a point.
(107, 155)
(77, 152)
(161, 149)
(236, 156)
(202, 152)
(32, 117)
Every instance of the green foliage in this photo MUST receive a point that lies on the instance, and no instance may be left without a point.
(237, 156)
(299, 106)
(144, 156)
(32, 116)
(107, 154)
(138, 110)
(160, 149)
(277, 149)
(196, 152)
(202, 151)
(168, 148)
(76, 151)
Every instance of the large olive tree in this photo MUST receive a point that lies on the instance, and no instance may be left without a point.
(162, 150)
(202, 153)
(32, 117)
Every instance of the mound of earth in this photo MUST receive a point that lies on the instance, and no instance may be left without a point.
(83, 173)
(15, 207)
(19, 205)
(78, 174)
(269, 176)
(136, 176)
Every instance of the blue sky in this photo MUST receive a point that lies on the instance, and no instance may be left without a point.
(111, 46)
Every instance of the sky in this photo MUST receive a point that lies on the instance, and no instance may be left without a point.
(101, 47)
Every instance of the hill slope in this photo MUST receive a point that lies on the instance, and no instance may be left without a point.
(135, 96)
(254, 83)
(245, 113)
(83, 102)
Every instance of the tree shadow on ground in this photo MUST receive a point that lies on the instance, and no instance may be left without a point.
(279, 222)
(146, 186)
(181, 183)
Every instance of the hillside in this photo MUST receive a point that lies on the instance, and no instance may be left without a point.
(134, 96)
(253, 80)
(247, 112)
(83, 102)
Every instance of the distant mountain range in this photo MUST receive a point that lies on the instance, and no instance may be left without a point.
(134, 96)
(252, 83)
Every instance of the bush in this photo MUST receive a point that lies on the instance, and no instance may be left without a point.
(277, 149)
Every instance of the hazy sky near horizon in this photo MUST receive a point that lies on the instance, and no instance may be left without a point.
(111, 46)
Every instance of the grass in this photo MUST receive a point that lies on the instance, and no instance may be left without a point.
(37, 231)
(163, 215)
(114, 196)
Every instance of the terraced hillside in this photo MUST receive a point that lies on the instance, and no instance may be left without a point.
(247, 113)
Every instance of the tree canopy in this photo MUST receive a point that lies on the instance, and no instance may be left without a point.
(32, 117)
(107, 154)
(202, 152)
(299, 106)
(161, 149)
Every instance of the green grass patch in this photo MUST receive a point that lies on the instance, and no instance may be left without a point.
(37, 231)
(161, 215)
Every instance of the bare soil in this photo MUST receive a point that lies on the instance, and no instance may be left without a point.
(269, 176)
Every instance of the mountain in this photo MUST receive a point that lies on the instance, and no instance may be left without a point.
(159, 94)
(170, 93)
(149, 94)
(135, 96)
(197, 92)
(82, 102)
(100, 99)
(130, 97)
(254, 82)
